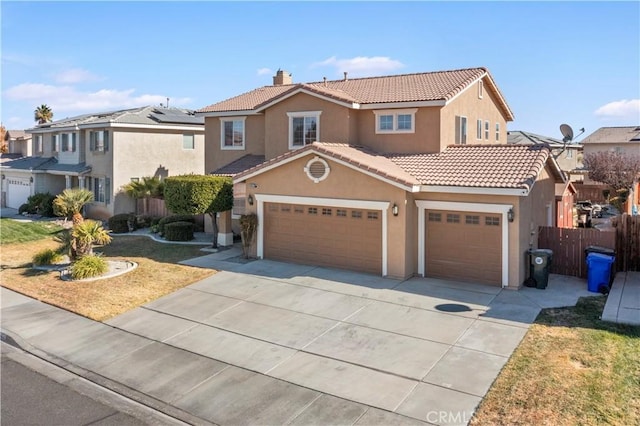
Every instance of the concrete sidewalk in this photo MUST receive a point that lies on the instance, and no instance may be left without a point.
(623, 302)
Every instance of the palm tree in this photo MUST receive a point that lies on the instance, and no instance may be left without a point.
(43, 114)
(70, 203)
(86, 234)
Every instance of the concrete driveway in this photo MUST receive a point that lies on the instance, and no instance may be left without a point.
(336, 343)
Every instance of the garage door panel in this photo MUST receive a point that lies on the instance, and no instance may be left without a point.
(322, 235)
(464, 246)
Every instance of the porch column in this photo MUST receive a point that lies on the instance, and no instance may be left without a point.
(225, 234)
(81, 182)
(67, 181)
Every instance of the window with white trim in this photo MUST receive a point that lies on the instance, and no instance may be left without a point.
(55, 143)
(569, 154)
(232, 133)
(304, 128)
(479, 130)
(486, 129)
(188, 141)
(461, 130)
(497, 131)
(39, 143)
(480, 89)
(395, 120)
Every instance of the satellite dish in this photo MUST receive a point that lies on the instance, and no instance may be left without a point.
(567, 133)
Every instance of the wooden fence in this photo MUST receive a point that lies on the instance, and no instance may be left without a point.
(568, 245)
(152, 207)
(627, 242)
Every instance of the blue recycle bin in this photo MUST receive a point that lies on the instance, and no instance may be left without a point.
(598, 271)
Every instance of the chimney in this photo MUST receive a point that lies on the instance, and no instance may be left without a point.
(282, 78)
(345, 76)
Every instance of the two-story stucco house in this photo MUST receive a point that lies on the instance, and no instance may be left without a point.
(398, 175)
(103, 152)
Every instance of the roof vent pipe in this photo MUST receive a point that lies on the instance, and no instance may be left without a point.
(325, 81)
(345, 76)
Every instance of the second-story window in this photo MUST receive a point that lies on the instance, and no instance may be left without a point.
(461, 130)
(304, 128)
(497, 131)
(232, 134)
(188, 141)
(99, 141)
(39, 143)
(395, 121)
(486, 129)
(68, 142)
(55, 143)
(479, 130)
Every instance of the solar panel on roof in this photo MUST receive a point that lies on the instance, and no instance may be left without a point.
(172, 117)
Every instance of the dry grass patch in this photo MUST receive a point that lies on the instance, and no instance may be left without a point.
(571, 368)
(157, 275)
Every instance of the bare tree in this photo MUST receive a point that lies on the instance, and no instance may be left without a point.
(617, 170)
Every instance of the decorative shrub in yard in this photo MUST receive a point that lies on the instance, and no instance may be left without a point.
(178, 231)
(120, 223)
(144, 221)
(41, 203)
(174, 218)
(47, 257)
(88, 267)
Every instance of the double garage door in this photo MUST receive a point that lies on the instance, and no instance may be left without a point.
(464, 246)
(324, 235)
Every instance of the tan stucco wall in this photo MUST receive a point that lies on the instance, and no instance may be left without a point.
(290, 179)
(469, 105)
(334, 122)
(425, 139)
(216, 157)
(531, 213)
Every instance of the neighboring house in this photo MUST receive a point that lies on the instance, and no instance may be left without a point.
(624, 140)
(568, 156)
(18, 142)
(413, 176)
(103, 152)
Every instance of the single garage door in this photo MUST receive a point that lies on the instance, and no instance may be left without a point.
(18, 190)
(324, 235)
(464, 246)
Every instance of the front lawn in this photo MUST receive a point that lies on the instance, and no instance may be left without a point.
(13, 231)
(571, 368)
(157, 275)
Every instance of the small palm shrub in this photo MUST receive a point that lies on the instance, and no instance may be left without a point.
(178, 231)
(47, 257)
(86, 234)
(88, 267)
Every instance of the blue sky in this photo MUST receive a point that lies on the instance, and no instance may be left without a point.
(555, 62)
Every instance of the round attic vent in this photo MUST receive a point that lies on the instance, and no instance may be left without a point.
(317, 169)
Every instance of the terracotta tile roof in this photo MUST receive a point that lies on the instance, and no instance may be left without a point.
(614, 135)
(479, 166)
(476, 166)
(240, 165)
(360, 157)
(430, 86)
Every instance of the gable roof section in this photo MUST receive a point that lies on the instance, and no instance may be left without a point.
(512, 169)
(440, 86)
(481, 166)
(355, 157)
(614, 135)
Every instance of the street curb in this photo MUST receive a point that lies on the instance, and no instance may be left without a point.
(102, 389)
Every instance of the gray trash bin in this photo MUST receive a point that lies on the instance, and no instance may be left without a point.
(539, 264)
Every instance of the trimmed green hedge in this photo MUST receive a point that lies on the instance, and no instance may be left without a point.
(174, 218)
(119, 223)
(179, 231)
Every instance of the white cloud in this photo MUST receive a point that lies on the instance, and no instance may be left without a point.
(75, 75)
(628, 109)
(67, 98)
(264, 71)
(362, 65)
